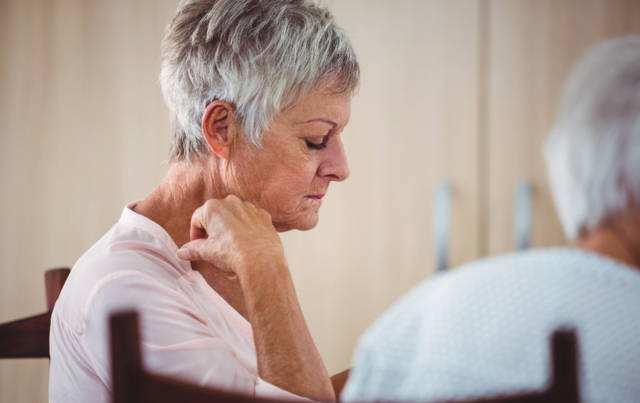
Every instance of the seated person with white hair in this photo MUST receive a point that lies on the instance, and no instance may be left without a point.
(483, 329)
(259, 93)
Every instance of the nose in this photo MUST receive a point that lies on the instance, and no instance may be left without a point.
(335, 167)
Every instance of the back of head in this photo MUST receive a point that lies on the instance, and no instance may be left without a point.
(259, 55)
(593, 152)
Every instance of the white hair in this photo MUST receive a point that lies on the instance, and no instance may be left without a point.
(593, 152)
(259, 55)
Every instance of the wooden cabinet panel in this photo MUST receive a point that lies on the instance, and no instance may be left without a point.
(532, 46)
(83, 130)
(413, 124)
(463, 90)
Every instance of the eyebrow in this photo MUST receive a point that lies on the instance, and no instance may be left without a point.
(331, 122)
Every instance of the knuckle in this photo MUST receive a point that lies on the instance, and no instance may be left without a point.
(232, 198)
(264, 214)
(210, 204)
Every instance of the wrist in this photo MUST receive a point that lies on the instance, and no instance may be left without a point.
(264, 268)
(268, 292)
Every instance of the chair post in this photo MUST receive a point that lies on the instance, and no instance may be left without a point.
(53, 282)
(126, 358)
(565, 382)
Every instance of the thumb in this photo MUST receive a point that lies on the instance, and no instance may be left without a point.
(192, 251)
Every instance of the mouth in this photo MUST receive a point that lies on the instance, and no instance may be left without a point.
(316, 196)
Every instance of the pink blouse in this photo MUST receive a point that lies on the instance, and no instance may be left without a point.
(188, 330)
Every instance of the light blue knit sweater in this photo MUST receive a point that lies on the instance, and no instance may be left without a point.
(484, 329)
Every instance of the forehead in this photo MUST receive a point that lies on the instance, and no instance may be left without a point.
(321, 103)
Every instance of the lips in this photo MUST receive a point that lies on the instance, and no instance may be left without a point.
(316, 197)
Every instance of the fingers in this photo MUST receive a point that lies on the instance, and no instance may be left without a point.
(227, 232)
(204, 250)
(236, 207)
(192, 251)
(203, 219)
(218, 216)
(197, 229)
(239, 208)
(264, 214)
(244, 209)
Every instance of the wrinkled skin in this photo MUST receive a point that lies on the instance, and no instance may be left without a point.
(224, 210)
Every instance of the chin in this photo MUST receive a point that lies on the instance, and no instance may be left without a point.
(304, 223)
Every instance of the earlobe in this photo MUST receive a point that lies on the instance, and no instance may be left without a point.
(218, 127)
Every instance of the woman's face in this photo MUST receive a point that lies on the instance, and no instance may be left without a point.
(301, 154)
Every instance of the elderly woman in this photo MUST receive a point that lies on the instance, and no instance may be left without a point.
(483, 329)
(259, 93)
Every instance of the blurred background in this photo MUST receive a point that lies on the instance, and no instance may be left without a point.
(453, 91)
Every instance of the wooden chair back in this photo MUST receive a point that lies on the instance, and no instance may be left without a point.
(133, 384)
(29, 337)
(563, 385)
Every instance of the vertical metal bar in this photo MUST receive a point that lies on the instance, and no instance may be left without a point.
(523, 221)
(442, 224)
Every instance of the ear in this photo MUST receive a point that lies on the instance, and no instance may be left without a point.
(220, 127)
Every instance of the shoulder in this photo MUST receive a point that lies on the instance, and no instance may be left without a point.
(126, 267)
(505, 286)
(462, 327)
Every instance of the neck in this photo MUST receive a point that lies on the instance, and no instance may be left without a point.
(617, 238)
(185, 188)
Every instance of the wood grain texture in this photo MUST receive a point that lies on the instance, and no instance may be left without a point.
(532, 46)
(133, 384)
(29, 337)
(54, 280)
(83, 130)
(26, 337)
(413, 124)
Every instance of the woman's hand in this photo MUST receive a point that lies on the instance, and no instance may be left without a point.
(232, 235)
(238, 237)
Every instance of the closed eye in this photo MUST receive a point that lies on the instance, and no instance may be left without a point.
(314, 145)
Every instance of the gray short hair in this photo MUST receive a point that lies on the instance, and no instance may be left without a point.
(259, 55)
(593, 152)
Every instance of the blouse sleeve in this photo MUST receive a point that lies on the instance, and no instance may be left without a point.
(175, 338)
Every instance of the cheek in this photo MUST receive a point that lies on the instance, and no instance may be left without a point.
(278, 178)
(287, 188)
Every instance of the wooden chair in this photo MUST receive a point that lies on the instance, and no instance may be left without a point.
(29, 337)
(563, 385)
(133, 384)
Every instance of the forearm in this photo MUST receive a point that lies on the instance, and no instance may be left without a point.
(287, 355)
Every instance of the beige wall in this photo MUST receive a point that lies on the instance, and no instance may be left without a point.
(532, 45)
(375, 238)
(462, 90)
(83, 130)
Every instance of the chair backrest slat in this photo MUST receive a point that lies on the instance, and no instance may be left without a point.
(26, 338)
(132, 383)
(29, 337)
(54, 280)
(126, 358)
(565, 367)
